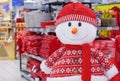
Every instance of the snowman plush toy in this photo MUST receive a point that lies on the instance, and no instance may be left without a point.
(76, 60)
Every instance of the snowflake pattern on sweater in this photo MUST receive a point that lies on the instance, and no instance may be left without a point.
(68, 62)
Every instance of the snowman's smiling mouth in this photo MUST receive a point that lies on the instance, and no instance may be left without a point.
(75, 38)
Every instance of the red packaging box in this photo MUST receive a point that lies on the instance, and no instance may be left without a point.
(47, 23)
(32, 63)
(34, 41)
(49, 44)
(21, 40)
(34, 67)
(24, 43)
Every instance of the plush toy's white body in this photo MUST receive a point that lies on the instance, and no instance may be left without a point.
(60, 65)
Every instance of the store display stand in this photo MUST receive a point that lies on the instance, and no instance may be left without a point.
(24, 72)
(108, 28)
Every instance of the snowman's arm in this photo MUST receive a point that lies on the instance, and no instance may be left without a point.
(109, 67)
(48, 63)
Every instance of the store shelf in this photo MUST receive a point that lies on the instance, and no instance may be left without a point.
(110, 3)
(55, 3)
(106, 6)
(108, 28)
(20, 27)
(34, 57)
(26, 75)
(35, 29)
(5, 41)
(8, 27)
(64, 2)
(38, 29)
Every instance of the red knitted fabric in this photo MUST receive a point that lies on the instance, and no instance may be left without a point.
(86, 65)
(76, 11)
(68, 60)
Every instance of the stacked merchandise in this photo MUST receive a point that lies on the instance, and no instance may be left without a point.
(32, 44)
(37, 44)
(20, 25)
(22, 35)
(109, 19)
(33, 66)
(49, 44)
(20, 22)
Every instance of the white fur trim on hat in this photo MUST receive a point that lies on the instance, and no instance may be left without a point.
(77, 18)
(112, 72)
(77, 78)
(45, 68)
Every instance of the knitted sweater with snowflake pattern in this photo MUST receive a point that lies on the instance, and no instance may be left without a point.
(68, 62)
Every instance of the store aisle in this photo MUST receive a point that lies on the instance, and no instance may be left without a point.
(9, 71)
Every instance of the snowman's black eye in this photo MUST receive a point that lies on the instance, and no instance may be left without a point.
(69, 24)
(79, 24)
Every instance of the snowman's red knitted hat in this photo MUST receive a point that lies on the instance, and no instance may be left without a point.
(76, 11)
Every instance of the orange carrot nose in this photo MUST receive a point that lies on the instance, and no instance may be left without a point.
(74, 30)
